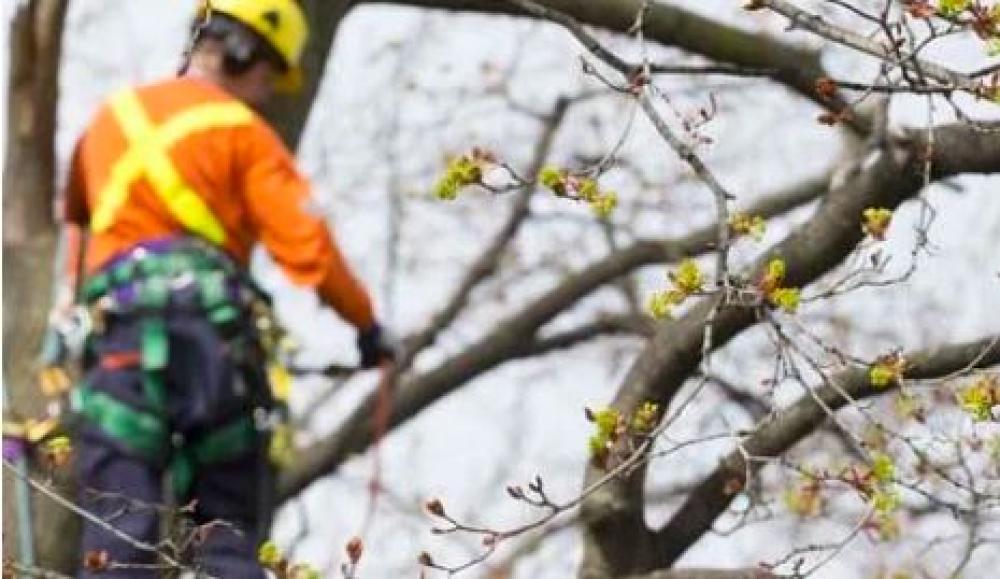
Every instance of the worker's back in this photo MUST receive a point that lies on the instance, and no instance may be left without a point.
(212, 159)
(183, 157)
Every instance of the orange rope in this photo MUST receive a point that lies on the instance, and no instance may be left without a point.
(381, 416)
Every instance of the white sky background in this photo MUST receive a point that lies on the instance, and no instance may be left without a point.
(526, 417)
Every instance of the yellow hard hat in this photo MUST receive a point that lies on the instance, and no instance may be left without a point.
(280, 23)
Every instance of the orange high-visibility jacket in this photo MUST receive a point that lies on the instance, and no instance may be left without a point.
(183, 156)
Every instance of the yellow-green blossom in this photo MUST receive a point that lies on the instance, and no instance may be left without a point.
(979, 398)
(886, 370)
(805, 498)
(880, 376)
(884, 501)
(875, 221)
(747, 224)
(461, 171)
(587, 189)
(551, 176)
(882, 468)
(57, 450)
(269, 555)
(644, 418)
(608, 423)
(776, 269)
(563, 184)
(774, 274)
(786, 298)
(604, 204)
(688, 278)
(953, 7)
(662, 302)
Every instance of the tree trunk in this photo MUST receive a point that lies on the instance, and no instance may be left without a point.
(29, 241)
(289, 114)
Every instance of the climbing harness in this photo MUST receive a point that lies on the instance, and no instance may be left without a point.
(142, 285)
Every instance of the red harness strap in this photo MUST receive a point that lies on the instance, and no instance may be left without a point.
(120, 360)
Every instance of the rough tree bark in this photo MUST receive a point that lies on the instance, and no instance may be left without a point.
(29, 238)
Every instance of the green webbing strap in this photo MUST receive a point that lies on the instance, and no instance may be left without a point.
(154, 347)
(141, 431)
(147, 435)
(230, 441)
(215, 299)
(181, 474)
(157, 266)
(123, 273)
(154, 294)
(96, 287)
(155, 390)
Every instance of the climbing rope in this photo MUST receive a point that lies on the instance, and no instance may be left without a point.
(381, 416)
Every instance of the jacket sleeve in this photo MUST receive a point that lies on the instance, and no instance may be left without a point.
(277, 200)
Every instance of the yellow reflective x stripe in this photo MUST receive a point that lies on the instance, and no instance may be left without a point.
(148, 155)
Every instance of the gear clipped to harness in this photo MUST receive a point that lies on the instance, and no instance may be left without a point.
(146, 287)
(278, 348)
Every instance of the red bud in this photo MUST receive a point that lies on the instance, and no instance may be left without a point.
(354, 550)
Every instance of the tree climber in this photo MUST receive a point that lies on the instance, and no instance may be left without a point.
(171, 185)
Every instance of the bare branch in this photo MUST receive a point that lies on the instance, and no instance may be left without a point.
(489, 259)
(91, 518)
(602, 326)
(508, 339)
(670, 25)
(676, 351)
(775, 437)
(815, 23)
(706, 574)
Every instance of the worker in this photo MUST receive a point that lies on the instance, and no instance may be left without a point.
(171, 185)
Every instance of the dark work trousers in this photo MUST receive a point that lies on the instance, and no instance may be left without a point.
(205, 390)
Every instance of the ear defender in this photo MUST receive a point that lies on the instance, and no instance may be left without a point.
(239, 53)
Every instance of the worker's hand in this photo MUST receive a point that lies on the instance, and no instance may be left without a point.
(376, 345)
